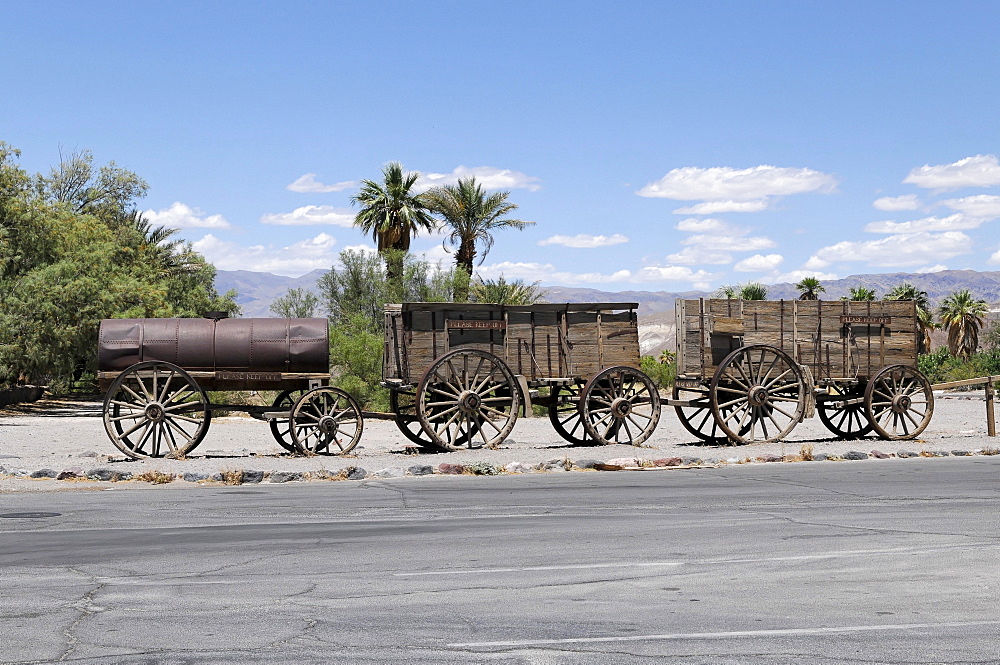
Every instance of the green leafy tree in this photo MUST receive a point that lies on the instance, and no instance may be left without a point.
(73, 251)
(296, 304)
(502, 292)
(809, 288)
(393, 214)
(962, 315)
(471, 218)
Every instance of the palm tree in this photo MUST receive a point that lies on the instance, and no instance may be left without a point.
(392, 214)
(962, 316)
(907, 291)
(860, 293)
(809, 288)
(925, 321)
(472, 217)
(926, 324)
(729, 292)
(753, 291)
(502, 292)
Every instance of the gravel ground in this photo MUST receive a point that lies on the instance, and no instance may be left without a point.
(67, 437)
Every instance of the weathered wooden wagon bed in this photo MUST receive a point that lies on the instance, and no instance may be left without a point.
(459, 374)
(751, 370)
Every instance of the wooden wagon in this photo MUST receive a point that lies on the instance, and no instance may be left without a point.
(749, 371)
(460, 374)
(156, 372)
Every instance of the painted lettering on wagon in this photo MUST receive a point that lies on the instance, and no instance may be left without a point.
(248, 376)
(465, 324)
(870, 320)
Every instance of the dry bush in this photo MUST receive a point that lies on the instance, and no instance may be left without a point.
(232, 476)
(155, 477)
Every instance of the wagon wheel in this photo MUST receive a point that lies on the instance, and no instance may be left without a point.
(404, 404)
(698, 419)
(565, 415)
(899, 402)
(467, 398)
(155, 409)
(326, 421)
(847, 421)
(758, 394)
(620, 405)
(281, 428)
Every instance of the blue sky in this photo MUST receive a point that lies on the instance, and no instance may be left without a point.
(657, 145)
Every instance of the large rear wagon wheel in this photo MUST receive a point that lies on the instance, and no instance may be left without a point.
(155, 409)
(899, 402)
(468, 398)
(758, 394)
(620, 405)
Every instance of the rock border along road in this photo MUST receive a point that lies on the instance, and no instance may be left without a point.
(61, 444)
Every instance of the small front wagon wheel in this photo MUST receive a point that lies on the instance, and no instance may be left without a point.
(155, 409)
(899, 402)
(326, 421)
(620, 405)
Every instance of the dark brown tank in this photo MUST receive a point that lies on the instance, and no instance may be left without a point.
(227, 345)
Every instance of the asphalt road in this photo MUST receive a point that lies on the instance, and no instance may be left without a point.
(860, 562)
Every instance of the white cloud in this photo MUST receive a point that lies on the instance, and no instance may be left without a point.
(729, 243)
(893, 203)
(977, 171)
(292, 261)
(547, 273)
(723, 183)
(584, 240)
(815, 263)
(956, 222)
(759, 263)
(710, 225)
(308, 184)
(693, 255)
(904, 250)
(487, 176)
(796, 276)
(672, 274)
(936, 268)
(994, 258)
(311, 215)
(981, 206)
(181, 216)
(716, 207)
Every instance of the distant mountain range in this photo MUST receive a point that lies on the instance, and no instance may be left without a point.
(257, 290)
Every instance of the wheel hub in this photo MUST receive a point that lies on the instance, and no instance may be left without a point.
(758, 396)
(470, 401)
(901, 403)
(621, 407)
(155, 412)
(327, 425)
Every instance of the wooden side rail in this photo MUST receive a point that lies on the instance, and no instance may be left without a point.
(987, 381)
